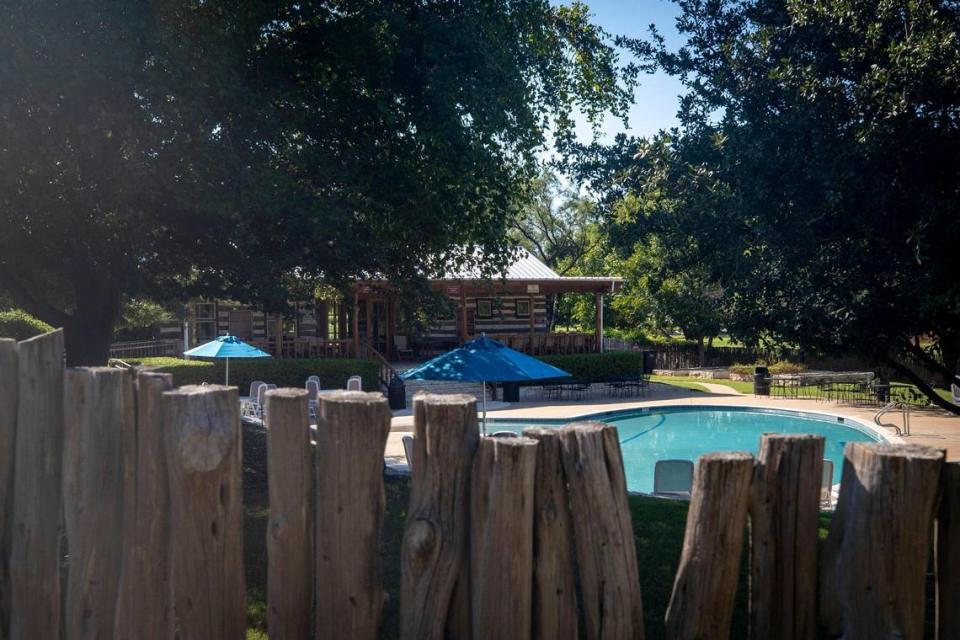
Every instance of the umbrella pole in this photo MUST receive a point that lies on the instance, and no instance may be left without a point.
(483, 396)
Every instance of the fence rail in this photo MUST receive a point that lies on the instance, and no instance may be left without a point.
(522, 538)
(146, 348)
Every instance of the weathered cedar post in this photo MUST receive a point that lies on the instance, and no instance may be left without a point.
(784, 506)
(554, 587)
(602, 531)
(203, 450)
(9, 374)
(99, 419)
(948, 555)
(874, 561)
(501, 538)
(37, 499)
(290, 528)
(144, 605)
(701, 605)
(434, 551)
(352, 429)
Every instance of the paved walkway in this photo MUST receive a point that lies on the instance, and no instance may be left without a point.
(930, 427)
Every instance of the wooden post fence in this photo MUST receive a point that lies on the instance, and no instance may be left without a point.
(290, 527)
(527, 537)
(144, 606)
(872, 582)
(701, 605)
(948, 555)
(352, 428)
(9, 376)
(501, 538)
(206, 532)
(784, 506)
(37, 505)
(554, 588)
(99, 419)
(606, 557)
(435, 543)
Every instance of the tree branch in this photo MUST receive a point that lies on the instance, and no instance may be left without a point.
(921, 384)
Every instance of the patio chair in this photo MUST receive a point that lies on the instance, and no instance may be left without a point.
(248, 405)
(408, 450)
(504, 434)
(402, 347)
(673, 478)
(314, 378)
(354, 383)
(259, 408)
(955, 393)
(826, 485)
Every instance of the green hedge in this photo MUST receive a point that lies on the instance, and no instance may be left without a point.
(777, 368)
(20, 325)
(333, 373)
(598, 367)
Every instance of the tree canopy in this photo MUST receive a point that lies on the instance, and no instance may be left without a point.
(238, 148)
(815, 175)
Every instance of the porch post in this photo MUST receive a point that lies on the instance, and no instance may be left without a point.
(356, 324)
(533, 314)
(598, 321)
(463, 313)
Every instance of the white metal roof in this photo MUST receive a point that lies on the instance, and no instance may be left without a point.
(525, 267)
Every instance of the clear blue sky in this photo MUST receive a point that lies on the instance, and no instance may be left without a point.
(656, 99)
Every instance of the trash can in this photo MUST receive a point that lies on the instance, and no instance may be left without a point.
(397, 394)
(649, 362)
(511, 392)
(761, 381)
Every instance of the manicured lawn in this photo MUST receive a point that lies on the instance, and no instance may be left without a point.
(696, 384)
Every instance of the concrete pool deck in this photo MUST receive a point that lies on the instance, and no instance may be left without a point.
(929, 427)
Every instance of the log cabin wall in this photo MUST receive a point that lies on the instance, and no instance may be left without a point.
(503, 319)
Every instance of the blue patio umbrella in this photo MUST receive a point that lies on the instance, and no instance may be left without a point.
(226, 347)
(483, 360)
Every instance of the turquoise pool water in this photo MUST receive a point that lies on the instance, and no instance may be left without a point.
(687, 432)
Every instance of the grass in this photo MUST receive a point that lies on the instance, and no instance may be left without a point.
(689, 382)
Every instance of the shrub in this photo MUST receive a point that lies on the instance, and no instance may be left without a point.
(20, 325)
(777, 368)
(333, 373)
(597, 367)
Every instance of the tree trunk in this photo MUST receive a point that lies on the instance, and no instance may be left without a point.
(921, 384)
(701, 353)
(88, 332)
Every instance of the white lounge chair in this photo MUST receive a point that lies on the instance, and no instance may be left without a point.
(955, 392)
(826, 485)
(408, 450)
(673, 478)
(260, 406)
(249, 406)
(354, 383)
(315, 379)
(504, 434)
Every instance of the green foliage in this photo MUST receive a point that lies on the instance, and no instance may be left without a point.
(813, 178)
(249, 151)
(598, 367)
(138, 317)
(292, 372)
(20, 325)
(775, 368)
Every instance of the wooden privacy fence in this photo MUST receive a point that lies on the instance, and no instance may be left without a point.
(526, 537)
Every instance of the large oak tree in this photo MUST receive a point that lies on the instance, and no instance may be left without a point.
(173, 148)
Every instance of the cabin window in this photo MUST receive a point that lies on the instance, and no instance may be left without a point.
(205, 321)
(484, 308)
(523, 308)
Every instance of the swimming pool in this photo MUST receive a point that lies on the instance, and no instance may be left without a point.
(687, 432)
